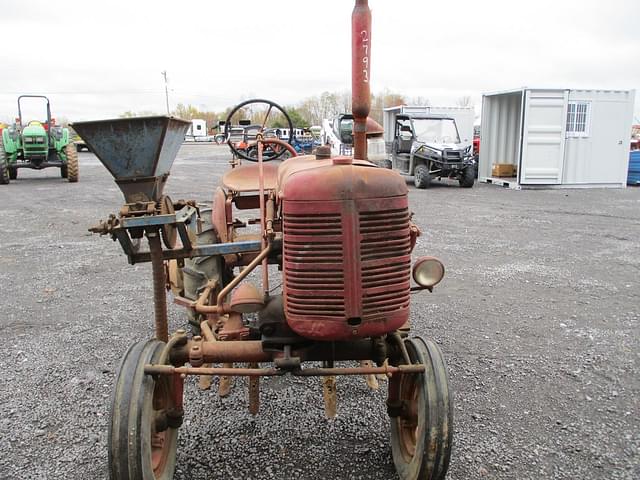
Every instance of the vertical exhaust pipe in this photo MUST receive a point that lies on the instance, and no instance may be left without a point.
(360, 75)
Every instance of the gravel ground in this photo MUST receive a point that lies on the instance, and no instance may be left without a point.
(537, 316)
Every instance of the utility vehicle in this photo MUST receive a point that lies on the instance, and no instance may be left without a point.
(428, 146)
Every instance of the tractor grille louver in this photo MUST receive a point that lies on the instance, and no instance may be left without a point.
(314, 276)
(385, 253)
(315, 272)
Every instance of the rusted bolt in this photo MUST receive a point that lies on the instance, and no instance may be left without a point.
(197, 338)
(195, 356)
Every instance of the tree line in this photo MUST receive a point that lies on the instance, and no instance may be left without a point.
(308, 112)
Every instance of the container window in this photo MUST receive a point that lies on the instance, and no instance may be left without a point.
(578, 119)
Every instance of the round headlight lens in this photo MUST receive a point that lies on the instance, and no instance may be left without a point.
(428, 271)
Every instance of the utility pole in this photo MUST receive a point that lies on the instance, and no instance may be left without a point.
(166, 90)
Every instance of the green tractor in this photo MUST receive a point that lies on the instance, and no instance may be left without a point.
(37, 145)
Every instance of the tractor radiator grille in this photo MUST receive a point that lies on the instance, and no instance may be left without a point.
(385, 253)
(314, 272)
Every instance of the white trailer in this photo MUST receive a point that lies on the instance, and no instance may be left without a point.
(464, 117)
(556, 137)
(197, 131)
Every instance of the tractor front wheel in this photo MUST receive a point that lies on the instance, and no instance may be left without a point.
(13, 173)
(421, 427)
(70, 171)
(5, 175)
(143, 434)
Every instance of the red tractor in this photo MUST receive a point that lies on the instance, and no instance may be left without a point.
(338, 227)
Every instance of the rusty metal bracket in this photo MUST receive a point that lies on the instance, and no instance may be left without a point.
(233, 328)
(127, 229)
(254, 392)
(395, 336)
(195, 352)
(329, 392)
(287, 362)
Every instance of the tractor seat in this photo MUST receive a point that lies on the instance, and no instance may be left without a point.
(246, 177)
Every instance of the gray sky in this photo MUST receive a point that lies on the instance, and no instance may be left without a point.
(99, 59)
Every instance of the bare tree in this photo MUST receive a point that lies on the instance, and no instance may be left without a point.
(311, 111)
(420, 101)
(345, 101)
(465, 101)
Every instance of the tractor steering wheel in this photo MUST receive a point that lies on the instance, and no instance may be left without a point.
(277, 147)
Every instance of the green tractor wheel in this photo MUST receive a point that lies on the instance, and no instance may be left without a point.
(70, 171)
(5, 175)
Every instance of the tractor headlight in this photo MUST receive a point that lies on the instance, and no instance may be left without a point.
(28, 139)
(428, 271)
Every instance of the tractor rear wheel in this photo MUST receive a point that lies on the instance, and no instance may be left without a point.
(5, 176)
(422, 428)
(199, 271)
(71, 168)
(143, 433)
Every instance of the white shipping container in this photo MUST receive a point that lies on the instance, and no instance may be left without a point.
(557, 137)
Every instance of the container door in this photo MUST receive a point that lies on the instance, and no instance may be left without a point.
(597, 152)
(543, 137)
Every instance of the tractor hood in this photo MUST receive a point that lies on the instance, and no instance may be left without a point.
(307, 178)
(34, 131)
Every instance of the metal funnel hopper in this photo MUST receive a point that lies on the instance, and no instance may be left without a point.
(139, 151)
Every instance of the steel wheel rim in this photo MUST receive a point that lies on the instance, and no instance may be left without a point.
(160, 441)
(408, 420)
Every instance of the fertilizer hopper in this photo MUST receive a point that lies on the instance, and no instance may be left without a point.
(138, 152)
